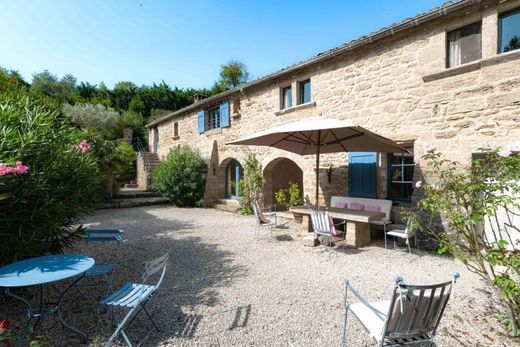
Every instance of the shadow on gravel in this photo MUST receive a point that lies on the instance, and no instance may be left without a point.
(195, 272)
(241, 317)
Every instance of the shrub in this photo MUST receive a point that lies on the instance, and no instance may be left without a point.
(89, 116)
(290, 196)
(181, 177)
(124, 158)
(468, 199)
(251, 185)
(39, 209)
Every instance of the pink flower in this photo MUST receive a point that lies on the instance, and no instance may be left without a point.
(504, 153)
(5, 324)
(20, 169)
(3, 169)
(84, 146)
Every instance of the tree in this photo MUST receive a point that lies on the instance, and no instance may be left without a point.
(513, 44)
(89, 116)
(46, 83)
(233, 74)
(468, 199)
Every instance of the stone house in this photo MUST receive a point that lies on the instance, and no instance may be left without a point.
(448, 79)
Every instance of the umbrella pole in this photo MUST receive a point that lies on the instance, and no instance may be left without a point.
(318, 170)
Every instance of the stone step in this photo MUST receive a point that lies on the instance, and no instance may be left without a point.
(226, 207)
(134, 193)
(133, 202)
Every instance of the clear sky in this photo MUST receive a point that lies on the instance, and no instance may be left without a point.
(181, 42)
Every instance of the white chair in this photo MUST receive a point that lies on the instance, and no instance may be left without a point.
(265, 218)
(411, 316)
(323, 224)
(407, 233)
(134, 297)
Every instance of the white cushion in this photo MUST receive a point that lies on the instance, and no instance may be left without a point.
(373, 322)
(384, 205)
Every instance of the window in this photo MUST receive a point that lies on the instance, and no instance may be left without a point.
(509, 31)
(400, 176)
(305, 92)
(176, 129)
(286, 97)
(465, 45)
(214, 118)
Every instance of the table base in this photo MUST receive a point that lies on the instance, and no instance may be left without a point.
(31, 314)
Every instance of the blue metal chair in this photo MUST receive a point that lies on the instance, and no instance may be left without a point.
(105, 269)
(134, 297)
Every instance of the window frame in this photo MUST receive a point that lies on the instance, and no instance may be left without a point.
(301, 93)
(448, 51)
(283, 105)
(213, 112)
(499, 24)
(402, 181)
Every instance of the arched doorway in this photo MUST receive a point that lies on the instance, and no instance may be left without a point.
(234, 173)
(277, 174)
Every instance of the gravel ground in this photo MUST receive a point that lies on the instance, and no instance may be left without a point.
(225, 288)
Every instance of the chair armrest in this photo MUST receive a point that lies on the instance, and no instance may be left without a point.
(362, 300)
(340, 223)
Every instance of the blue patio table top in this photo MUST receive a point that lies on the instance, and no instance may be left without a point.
(43, 270)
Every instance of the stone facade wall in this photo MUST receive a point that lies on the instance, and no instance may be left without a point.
(398, 87)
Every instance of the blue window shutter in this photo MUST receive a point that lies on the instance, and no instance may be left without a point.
(200, 119)
(224, 114)
(362, 180)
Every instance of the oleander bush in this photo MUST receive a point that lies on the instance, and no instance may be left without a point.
(48, 179)
(181, 177)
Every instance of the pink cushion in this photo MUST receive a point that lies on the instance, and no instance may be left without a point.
(356, 206)
(261, 216)
(338, 204)
(332, 227)
(372, 208)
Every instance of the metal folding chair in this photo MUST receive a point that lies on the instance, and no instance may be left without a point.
(134, 297)
(323, 224)
(407, 233)
(410, 317)
(264, 218)
(105, 269)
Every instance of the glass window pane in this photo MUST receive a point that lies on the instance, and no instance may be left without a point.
(287, 97)
(509, 32)
(464, 45)
(305, 92)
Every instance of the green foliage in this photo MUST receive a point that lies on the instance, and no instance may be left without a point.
(124, 157)
(233, 74)
(41, 208)
(466, 199)
(89, 116)
(290, 196)
(251, 185)
(181, 177)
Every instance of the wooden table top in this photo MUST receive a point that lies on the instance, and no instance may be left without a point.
(343, 213)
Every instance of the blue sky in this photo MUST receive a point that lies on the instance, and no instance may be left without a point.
(181, 42)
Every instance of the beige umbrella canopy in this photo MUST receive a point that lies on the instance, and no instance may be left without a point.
(321, 135)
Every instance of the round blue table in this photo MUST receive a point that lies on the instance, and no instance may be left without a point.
(38, 272)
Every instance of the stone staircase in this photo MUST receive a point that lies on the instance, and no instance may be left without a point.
(131, 197)
(227, 205)
(146, 162)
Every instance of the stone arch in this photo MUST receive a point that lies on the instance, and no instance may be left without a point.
(227, 183)
(277, 174)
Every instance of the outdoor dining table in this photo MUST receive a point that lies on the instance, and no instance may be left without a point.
(357, 222)
(39, 272)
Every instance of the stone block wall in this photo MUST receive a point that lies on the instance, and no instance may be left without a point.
(398, 87)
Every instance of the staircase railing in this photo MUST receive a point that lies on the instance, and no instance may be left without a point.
(142, 149)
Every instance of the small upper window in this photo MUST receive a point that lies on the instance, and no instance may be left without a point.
(305, 92)
(214, 118)
(286, 97)
(509, 31)
(465, 45)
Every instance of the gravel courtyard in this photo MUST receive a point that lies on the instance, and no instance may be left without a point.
(225, 288)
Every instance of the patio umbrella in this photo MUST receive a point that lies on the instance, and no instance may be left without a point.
(318, 135)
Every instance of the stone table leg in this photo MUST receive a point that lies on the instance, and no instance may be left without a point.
(358, 233)
(306, 227)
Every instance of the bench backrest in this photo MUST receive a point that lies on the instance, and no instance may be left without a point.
(385, 206)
